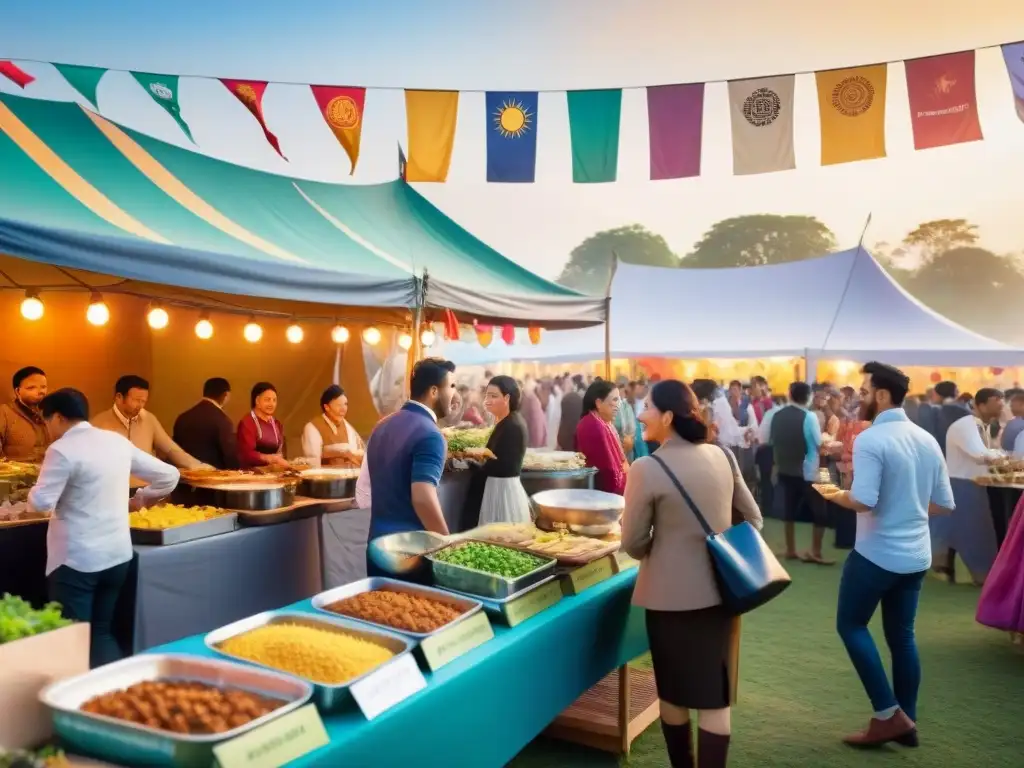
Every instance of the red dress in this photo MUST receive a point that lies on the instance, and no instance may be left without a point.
(257, 438)
(599, 442)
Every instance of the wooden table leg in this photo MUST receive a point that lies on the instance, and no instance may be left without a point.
(625, 740)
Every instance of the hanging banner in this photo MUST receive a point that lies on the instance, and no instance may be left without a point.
(1013, 55)
(250, 93)
(943, 102)
(163, 89)
(594, 133)
(85, 80)
(851, 106)
(342, 110)
(761, 114)
(15, 74)
(511, 136)
(430, 120)
(675, 121)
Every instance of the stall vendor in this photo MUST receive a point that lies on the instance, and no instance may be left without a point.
(261, 436)
(23, 435)
(205, 431)
(329, 440)
(129, 418)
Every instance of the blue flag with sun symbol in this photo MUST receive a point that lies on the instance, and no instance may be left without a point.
(511, 136)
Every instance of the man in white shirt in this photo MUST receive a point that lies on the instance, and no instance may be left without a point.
(84, 482)
(972, 530)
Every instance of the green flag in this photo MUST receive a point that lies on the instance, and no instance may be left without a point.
(594, 131)
(85, 80)
(164, 90)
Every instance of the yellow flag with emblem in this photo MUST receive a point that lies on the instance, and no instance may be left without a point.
(851, 104)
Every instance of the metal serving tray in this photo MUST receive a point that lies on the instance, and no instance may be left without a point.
(496, 604)
(486, 585)
(467, 605)
(327, 697)
(179, 534)
(126, 743)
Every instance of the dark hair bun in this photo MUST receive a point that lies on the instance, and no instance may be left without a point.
(690, 428)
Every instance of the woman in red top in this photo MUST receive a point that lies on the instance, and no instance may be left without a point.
(260, 435)
(597, 439)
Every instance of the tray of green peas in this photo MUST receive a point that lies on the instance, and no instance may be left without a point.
(488, 570)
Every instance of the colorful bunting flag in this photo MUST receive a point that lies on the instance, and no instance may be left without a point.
(430, 119)
(164, 91)
(851, 105)
(511, 136)
(761, 114)
(250, 93)
(508, 334)
(15, 74)
(484, 334)
(85, 80)
(534, 333)
(943, 102)
(675, 121)
(1013, 55)
(342, 109)
(594, 134)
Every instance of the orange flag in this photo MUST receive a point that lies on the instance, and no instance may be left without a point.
(250, 93)
(430, 117)
(342, 108)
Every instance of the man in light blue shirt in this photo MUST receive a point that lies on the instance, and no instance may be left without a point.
(899, 478)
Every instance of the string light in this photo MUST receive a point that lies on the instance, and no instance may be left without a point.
(294, 333)
(157, 318)
(405, 341)
(339, 334)
(204, 328)
(372, 336)
(253, 331)
(98, 313)
(428, 337)
(31, 306)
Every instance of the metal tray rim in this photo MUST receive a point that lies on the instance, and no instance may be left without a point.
(373, 583)
(502, 600)
(210, 738)
(550, 562)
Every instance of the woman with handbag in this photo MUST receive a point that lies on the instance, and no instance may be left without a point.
(694, 637)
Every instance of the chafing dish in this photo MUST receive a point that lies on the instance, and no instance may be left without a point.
(328, 483)
(179, 534)
(255, 495)
(487, 585)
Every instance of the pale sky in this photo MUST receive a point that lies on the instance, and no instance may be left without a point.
(541, 45)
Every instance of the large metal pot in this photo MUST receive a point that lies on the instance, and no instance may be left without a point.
(257, 496)
(329, 483)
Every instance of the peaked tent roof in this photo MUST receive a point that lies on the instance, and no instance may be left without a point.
(81, 192)
(841, 306)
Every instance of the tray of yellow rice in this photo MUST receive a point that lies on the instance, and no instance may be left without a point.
(330, 653)
(164, 524)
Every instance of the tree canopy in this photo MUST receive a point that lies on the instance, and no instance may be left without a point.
(589, 267)
(752, 241)
(932, 238)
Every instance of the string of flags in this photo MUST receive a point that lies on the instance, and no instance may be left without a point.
(851, 105)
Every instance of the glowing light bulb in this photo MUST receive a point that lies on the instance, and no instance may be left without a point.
(339, 334)
(428, 337)
(371, 336)
(158, 318)
(32, 308)
(294, 333)
(252, 332)
(204, 329)
(98, 313)
(405, 341)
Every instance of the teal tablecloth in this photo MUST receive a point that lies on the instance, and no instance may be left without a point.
(484, 707)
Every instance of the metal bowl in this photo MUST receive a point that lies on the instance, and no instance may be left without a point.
(402, 554)
(328, 483)
(579, 506)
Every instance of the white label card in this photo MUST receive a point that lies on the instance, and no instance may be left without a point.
(383, 688)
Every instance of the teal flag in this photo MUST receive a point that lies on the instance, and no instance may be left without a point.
(594, 130)
(85, 80)
(164, 91)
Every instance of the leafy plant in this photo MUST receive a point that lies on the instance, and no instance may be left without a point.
(18, 619)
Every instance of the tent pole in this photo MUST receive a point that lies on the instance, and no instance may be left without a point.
(608, 319)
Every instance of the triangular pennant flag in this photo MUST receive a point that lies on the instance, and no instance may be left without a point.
(250, 93)
(15, 74)
(85, 80)
(342, 109)
(164, 91)
(508, 334)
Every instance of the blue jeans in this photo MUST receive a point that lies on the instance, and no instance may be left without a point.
(863, 586)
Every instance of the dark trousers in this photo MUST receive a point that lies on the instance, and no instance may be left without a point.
(863, 586)
(802, 501)
(765, 460)
(1001, 503)
(92, 597)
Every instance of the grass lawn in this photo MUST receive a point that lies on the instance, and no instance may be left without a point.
(799, 694)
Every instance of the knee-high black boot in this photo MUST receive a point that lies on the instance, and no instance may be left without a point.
(712, 749)
(679, 740)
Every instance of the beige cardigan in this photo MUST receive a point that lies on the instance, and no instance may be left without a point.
(660, 530)
(147, 434)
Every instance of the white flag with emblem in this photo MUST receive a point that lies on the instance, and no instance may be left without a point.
(761, 113)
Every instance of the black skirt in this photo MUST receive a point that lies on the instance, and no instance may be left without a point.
(691, 651)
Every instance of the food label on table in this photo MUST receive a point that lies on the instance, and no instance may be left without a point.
(386, 686)
(522, 608)
(586, 576)
(278, 742)
(451, 643)
(624, 562)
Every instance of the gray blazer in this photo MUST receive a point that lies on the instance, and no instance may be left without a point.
(660, 529)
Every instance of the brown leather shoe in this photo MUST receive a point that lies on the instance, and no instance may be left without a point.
(879, 732)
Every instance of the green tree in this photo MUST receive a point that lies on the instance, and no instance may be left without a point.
(589, 267)
(751, 241)
(932, 238)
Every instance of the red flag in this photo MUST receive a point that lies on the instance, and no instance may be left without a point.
(943, 102)
(508, 334)
(250, 93)
(15, 74)
(342, 108)
(451, 326)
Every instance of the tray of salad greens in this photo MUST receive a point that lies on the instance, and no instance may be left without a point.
(18, 619)
(488, 570)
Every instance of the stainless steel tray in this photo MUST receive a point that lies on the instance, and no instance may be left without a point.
(493, 603)
(327, 697)
(130, 744)
(467, 605)
(225, 523)
(486, 585)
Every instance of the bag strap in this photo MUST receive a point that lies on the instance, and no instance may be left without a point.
(686, 497)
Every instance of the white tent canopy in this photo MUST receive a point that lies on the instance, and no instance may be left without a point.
(841, 306)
